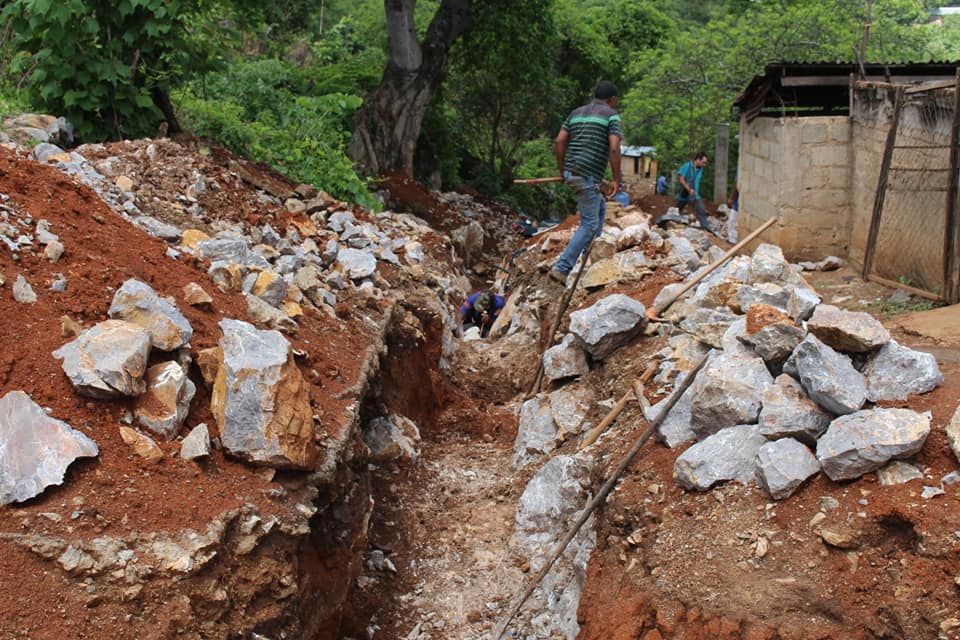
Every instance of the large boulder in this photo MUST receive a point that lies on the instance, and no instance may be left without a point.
(783, 465)
(569, 407)
(729, 454)
(771, 333)
(536, 431)
(675, 428)
(607, 325)
(164, 406)
(551, 502)
(788, 411)
(864, 441)
(829, 378)
(894, 372)
(357, 264)
(35, 449)
(260, 399)
(138, 303)
(849, 331)
(565, 360)
(727, 392)
(392, 438)
(108, 360)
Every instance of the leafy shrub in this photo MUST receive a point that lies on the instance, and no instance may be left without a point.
(253, 109)
(102, 63)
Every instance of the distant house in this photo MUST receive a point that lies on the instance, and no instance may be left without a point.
(638, 162)
(812, 137)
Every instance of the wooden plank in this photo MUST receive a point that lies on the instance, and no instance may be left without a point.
(896, 285)
(882, 183)
(951, 241)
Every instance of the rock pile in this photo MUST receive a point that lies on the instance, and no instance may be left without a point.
(830, 366)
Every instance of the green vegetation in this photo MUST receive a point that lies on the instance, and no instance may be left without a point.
(281, 82)
(257, 109)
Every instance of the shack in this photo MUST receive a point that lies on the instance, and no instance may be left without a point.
(638, 162)
(815, 141)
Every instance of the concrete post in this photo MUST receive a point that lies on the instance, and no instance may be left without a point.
(720, 163)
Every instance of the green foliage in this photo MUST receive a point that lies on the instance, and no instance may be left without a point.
(100, 62)
(550, 201)
(255, 109)
(497, 117)
(888, 309)
(943, 39)
(690, 83)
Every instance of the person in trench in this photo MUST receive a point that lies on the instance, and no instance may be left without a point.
(480, 309)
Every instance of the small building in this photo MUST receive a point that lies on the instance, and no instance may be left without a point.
(812, 139)
(638, 162)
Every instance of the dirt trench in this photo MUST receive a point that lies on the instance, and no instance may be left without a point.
(443, 522)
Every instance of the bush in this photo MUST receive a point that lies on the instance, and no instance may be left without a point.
(253, 109)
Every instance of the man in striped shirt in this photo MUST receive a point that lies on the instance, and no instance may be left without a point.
(590, 138)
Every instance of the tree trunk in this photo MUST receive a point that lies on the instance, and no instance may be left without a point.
(388, 123)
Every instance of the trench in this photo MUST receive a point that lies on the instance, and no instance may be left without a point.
(406, 513)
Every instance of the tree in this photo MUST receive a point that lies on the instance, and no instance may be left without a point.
(388, 125)
(682, 90)
(109, 66)
(503, 83)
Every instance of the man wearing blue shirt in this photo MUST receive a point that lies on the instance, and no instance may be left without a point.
(689, 176)
(480, 309)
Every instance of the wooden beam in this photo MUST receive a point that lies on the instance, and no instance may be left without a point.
(951, 241)
(896, 285)
(882, 183)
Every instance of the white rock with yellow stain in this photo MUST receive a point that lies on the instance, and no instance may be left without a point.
(142, 444)
(124, 183)
(191, 239)
(165, 404)
(270, 288)
(107, 360)
(138, 303)
(261, 401)
(195, 295)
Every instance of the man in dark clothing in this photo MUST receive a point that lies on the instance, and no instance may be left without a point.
(479, 309)
(590, 138)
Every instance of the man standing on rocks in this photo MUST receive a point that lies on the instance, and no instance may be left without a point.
(689, 176)
(589, 138)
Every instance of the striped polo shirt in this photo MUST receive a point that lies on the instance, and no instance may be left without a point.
(588, 149)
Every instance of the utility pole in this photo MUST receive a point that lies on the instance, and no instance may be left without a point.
(720, 163)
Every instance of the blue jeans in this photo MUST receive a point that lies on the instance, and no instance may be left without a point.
(592, 209)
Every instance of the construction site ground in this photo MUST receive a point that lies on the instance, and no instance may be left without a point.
(728, 563)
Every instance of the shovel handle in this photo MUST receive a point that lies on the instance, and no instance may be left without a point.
(539, 180)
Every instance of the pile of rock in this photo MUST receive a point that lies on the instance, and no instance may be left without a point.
(791, 386)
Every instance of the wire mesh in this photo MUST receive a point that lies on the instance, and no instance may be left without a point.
(910, 239)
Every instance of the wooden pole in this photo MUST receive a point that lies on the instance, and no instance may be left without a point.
(556, 322)
(882, 184)
(539, 180)
(896, 285)
(655, 311)
(600, 497)
(951, 243)
(598, 430)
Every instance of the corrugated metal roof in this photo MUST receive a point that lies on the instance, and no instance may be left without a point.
(637, 151)
(824, 85)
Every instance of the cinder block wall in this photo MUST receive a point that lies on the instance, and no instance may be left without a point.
(797, 170)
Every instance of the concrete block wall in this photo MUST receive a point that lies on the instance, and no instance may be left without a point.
(797, 170)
